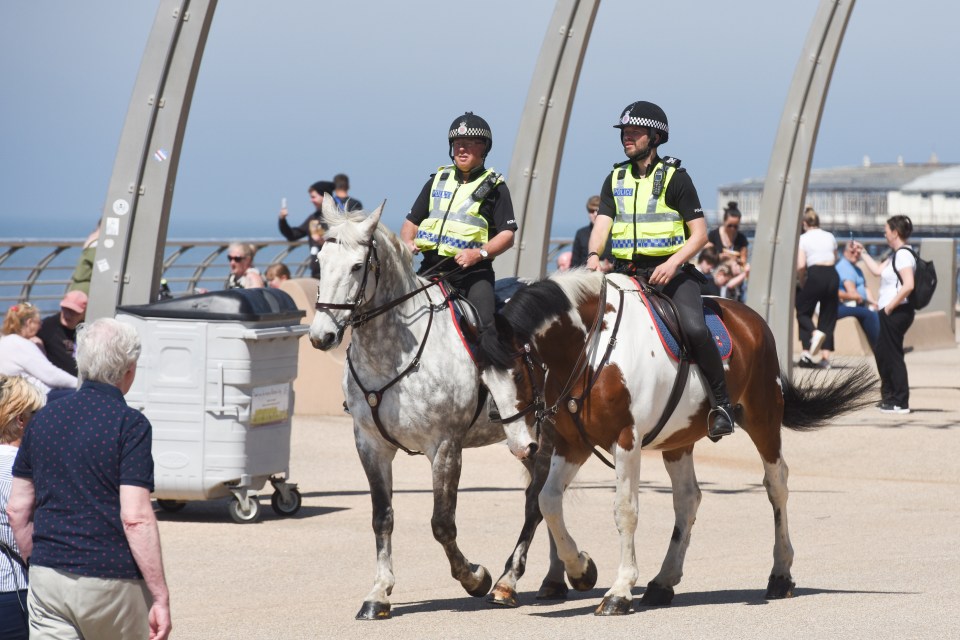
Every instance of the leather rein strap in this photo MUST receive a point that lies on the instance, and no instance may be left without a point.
(575, 404)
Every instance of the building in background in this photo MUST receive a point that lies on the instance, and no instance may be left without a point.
(862, 198)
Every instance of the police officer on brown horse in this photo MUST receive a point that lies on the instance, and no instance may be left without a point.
(657, 227)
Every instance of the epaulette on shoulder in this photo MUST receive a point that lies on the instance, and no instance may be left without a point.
(671, 161)
(621, 164)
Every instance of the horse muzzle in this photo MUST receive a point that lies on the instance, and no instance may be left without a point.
(326, 341)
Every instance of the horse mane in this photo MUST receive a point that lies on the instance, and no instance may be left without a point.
(344, 227)
(533, 306)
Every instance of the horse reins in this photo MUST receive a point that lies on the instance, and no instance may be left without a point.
(374, 397)
(575, 404)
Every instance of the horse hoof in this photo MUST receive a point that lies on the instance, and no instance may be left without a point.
(484, 584)
(613, 606)
(553, 591)
(503, 596)
(589, 578)
(780, 587)
(374, 611)
(657, 595)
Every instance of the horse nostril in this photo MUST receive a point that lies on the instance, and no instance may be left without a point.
(532, 450)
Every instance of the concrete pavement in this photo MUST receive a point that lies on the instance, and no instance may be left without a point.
(874, 518)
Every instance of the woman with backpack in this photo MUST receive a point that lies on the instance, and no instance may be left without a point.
(896, 313)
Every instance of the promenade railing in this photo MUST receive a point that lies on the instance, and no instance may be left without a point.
(39, 270)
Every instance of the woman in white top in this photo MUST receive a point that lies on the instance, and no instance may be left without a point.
(896, 314)
(815, 258)
(20, 353)
(19, 400)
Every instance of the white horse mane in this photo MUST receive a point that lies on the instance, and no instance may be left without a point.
(345, 227)
(578, 284)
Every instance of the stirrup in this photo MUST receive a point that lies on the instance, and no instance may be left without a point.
(720, 422)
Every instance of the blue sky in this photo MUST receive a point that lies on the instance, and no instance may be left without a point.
(295, 91)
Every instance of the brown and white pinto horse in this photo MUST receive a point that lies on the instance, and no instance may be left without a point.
(583, 350)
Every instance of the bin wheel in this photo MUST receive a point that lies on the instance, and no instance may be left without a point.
(171, 505)
(241, 516)
(286, 508)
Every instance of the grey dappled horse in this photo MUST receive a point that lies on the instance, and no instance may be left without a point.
(408, 370)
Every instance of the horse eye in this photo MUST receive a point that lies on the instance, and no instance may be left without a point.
(357, 267)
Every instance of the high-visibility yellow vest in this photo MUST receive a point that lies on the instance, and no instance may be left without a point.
(644, 224)
(454, 222)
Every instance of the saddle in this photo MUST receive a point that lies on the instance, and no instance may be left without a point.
(664, 316)
(464, 314)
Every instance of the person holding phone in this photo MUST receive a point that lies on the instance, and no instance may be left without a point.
(313, 227)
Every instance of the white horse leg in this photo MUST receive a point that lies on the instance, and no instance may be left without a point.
(617, 601)
(378, 465)
(447, 462)
(686, 501)
(775, 476)
(581, 570)
(553, 588)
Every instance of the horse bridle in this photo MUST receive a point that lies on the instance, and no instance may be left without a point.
(371, 263)
(538, 405)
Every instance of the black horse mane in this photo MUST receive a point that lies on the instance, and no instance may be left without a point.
(526, 311)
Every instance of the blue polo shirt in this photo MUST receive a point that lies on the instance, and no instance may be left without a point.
(77, 451)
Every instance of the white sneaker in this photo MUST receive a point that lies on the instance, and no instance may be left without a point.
(892, 408)
(816, 341)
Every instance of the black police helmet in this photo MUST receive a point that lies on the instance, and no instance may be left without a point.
(470, 125)
(645, 114)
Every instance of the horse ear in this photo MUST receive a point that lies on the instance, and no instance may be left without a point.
(370, 224)
(329, 209)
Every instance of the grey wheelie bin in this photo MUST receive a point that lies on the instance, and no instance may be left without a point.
(215, 378)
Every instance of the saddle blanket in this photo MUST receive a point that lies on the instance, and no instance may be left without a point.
(714, 324)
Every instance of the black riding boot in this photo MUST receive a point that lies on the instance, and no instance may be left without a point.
(720, 419)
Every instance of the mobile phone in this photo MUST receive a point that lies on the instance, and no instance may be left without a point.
(283, 203)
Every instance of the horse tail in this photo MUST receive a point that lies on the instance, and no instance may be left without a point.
(811, 404)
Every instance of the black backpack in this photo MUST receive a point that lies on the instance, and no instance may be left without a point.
(924, 279)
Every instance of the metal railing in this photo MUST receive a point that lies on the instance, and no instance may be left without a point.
(40, 270)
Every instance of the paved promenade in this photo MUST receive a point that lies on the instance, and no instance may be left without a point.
(874, 517)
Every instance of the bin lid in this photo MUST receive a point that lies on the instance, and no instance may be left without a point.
(231, 304)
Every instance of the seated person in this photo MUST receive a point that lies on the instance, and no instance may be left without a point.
(277, 274)
(727, 238)
(243, 275)
(21, 355)
(707, 261)
(727, 282)
(855, 299)
(59, 332)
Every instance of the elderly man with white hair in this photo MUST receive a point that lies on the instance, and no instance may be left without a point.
(81, 513)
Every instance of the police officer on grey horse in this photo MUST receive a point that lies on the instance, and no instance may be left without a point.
(657, 227)
(464, 218)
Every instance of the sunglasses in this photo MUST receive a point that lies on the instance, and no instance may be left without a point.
(236, 258)
(592, 210)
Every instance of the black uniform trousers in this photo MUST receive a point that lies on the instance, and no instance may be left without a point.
(894, 386)
(684, 290)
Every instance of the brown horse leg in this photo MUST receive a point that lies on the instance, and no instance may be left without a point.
(447, 462)
(686, 501)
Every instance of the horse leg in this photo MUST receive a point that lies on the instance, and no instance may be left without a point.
(775, 476)
(686, 501)
(580, 568)
(504, 591)
(447, 463)
(378, 465)
(618, 600)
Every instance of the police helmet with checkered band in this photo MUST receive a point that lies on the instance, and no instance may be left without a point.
(645, 114)
(470, 125)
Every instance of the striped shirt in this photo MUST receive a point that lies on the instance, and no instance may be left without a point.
(12, 576)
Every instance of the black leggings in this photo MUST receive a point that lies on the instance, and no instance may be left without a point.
(822, 285)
